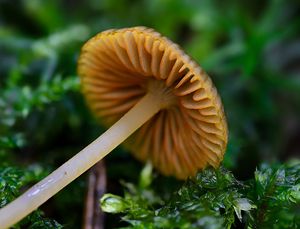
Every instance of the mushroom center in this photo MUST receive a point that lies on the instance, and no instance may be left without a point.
(163, 93)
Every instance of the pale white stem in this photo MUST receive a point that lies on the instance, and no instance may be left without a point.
(148, 106)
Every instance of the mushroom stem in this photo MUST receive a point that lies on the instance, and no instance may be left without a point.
(147, 107)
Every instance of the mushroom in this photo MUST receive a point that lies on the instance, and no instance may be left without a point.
(147, 87)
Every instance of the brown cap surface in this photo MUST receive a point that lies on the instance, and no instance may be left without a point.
(115, 67)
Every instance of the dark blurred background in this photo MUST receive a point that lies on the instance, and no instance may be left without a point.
(251, 50)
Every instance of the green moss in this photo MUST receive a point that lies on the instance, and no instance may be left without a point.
(215, 199)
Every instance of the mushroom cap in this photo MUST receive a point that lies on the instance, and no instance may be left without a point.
(115, 67)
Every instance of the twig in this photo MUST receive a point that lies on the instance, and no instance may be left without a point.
(93, 215)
